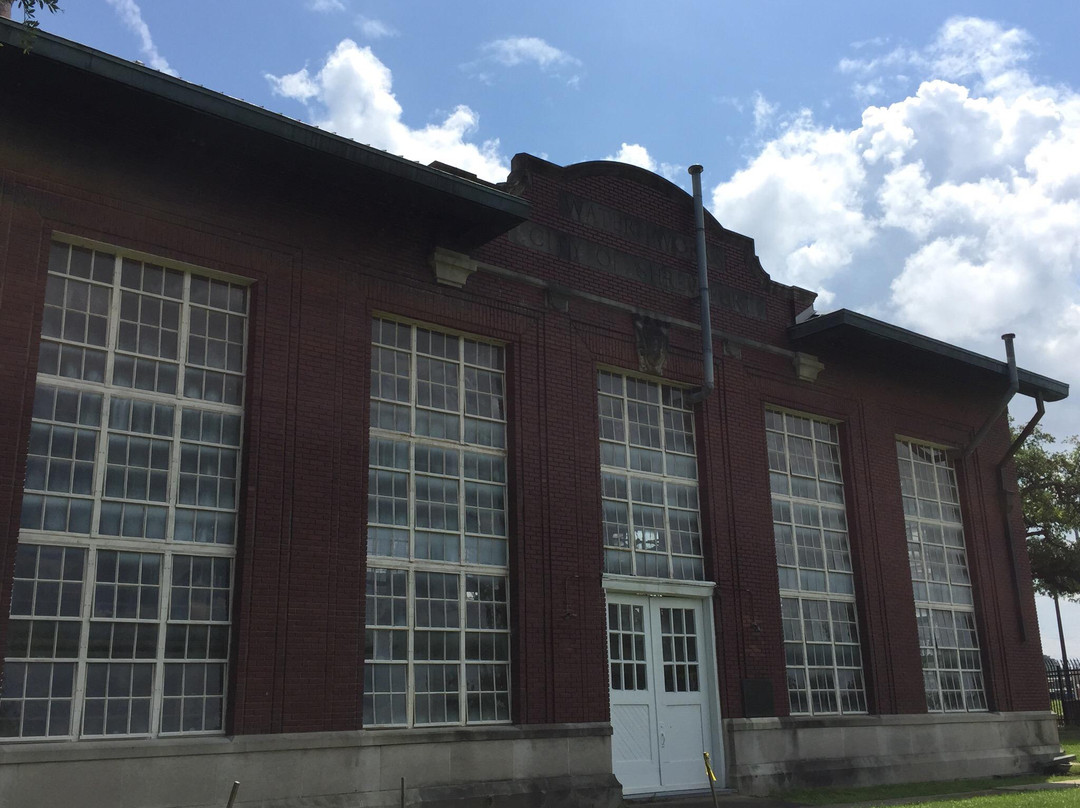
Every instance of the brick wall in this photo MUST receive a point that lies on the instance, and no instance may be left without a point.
(322, 261)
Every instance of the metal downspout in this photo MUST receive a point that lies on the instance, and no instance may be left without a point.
(1007, 503)
(708, 380)
(1003, 491)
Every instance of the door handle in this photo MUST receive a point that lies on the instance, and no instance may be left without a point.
(663, 739)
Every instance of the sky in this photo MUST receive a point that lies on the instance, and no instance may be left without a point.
(918, 162)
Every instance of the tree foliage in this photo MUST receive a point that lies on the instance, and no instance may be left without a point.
(1049, 486)
(29, 15)
(30, 9)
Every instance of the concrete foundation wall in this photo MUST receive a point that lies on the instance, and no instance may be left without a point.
(518, 767)
(767, 754)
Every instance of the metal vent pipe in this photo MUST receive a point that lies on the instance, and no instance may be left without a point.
(1013, 388)
(708, 381)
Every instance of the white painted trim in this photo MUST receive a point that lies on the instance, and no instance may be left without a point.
(658, 587)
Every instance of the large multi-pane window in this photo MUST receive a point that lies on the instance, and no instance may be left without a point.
(120, 603)
(944, 607)
(648, 468)
(437, 647)
(813, 555)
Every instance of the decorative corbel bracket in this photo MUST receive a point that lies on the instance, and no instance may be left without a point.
(452, 268)
(807, 366)
(652, 344)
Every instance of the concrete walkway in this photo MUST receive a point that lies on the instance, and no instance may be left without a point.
(724, 799)
(729, 799)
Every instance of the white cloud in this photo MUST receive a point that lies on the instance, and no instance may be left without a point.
(896, 59)
(325, 6)
(953, 208)
(526, 50)
(968, 47)
(866, 91)
(374, 29)
(637, 155)
(518, 50)
(131, 15)
(731, 101)
(352, 95)
(764, 112)
(877, 42)
(298, 85)
(801, 198)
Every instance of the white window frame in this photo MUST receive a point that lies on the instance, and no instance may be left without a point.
(166, 548)
(926, 515)
(411, 565)
(836, 568)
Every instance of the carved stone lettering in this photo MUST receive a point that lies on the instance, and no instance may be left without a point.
(744, 303)
(601, 217)
(602, 258)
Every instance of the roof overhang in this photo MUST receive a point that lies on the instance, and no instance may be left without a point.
(846, 330)
(58, 68)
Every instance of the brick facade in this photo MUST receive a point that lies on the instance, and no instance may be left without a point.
(125, 167)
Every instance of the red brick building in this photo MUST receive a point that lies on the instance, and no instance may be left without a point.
(577, 568)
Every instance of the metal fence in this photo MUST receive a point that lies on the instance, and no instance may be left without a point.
(1064, 685)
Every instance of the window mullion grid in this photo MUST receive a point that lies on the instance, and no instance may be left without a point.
(410, 582)
(463, 620)
(414, 381)
(808, 690)
(463, 714)
(93, 542)
(666, 528)
(173, 482)
(801, 596)
(837, 644)
(87, 607)
(411, 523)
(631, 532)
(183, 337)
(93, 546)
(164, 602)
(414, 565)
(461, 465)
(101, 461)
(631, 519)
(951, 608)
(410, 624)
(662, 478)
(114, 323)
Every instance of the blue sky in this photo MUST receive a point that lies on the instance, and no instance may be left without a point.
(916, 161)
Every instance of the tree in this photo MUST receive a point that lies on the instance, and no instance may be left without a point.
(1049, 487)
(29, 9)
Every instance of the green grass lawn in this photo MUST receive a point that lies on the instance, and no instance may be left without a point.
(1066, 798)
(834, 796)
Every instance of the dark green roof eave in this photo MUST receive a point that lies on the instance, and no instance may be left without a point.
(139, 77)
(846, 325)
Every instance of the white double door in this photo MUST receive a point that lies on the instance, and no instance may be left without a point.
(662, 679)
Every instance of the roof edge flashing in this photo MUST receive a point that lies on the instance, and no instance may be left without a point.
(211, 102)
(1030, 383)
